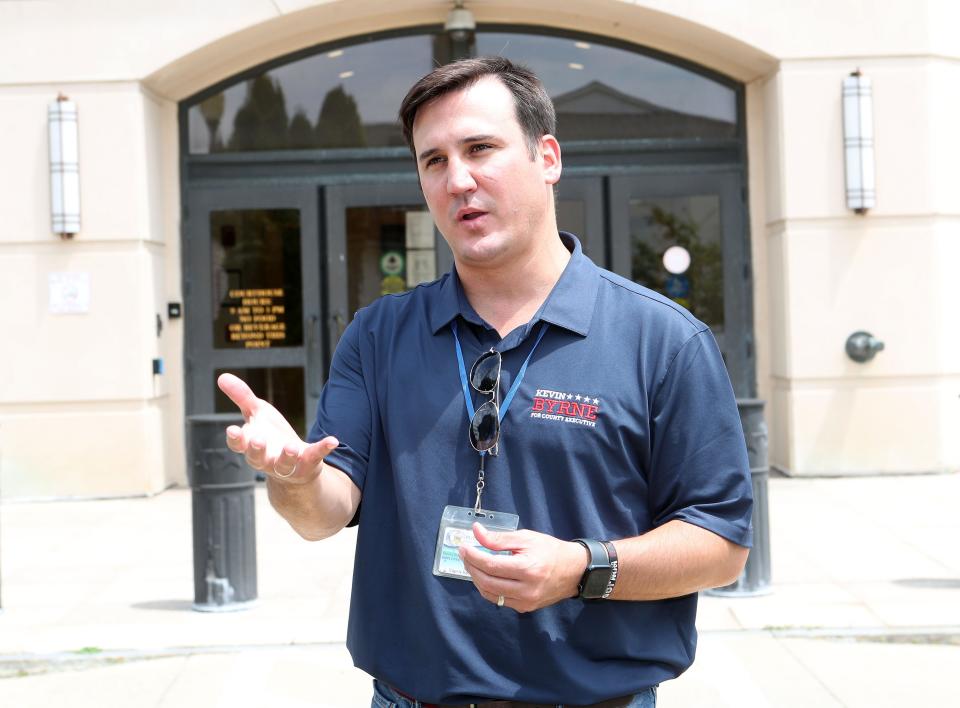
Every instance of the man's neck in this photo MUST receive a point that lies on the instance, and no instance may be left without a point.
(508, 296)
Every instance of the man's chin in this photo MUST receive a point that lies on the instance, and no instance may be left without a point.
(479, 248)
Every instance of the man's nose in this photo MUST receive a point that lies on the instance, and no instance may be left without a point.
(459, 177)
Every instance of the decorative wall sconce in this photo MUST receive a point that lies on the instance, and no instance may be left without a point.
(858, 142)
(64, 167)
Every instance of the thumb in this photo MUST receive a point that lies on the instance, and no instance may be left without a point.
(240, 393)
(495, 540)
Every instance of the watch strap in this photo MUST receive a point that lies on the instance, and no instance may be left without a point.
(599, 562)
(614, 567)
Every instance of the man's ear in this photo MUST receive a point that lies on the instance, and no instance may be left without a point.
(550, 152)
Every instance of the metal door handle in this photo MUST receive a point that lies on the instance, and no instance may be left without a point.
(313, 345)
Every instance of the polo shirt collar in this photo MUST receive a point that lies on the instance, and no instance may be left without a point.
(446, 306)
(573, 299)
(570, 304)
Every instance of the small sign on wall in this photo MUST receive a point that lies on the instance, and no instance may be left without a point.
(69, 293)
(419, 229)
(421, 267)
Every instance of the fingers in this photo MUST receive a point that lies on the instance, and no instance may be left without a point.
(516, 595)
(238, 392)
(492, 566)
(302, 463)
(536, 573)
(286, 463)
(256, 452)
(315, 453)
(236, 440)
(490, 586)
(495, 600)
(496, 565)
(295, 461)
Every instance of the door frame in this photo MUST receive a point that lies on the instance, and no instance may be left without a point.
(337, 198)
(201, 359)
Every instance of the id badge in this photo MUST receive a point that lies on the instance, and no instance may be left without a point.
(456, 529)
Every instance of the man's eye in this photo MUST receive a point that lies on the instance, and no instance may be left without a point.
(433, 161)
(479, 147)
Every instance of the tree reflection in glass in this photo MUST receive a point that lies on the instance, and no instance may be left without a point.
(261, 123)
(693, 224)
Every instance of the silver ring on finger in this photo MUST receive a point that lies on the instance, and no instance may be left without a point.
(500, 601)
(285, 476)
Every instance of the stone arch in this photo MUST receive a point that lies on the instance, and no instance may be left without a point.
(237, 51)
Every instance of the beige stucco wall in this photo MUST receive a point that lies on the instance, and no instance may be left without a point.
(884, 272)
(81, 413)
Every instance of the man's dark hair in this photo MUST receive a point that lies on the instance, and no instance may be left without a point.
(534, 109)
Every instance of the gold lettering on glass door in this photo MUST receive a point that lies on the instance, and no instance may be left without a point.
(258, 321)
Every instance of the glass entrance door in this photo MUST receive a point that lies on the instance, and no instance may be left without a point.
(684, 236)
(271, 286)
(580, 211)
(381, 240)
(253, 287)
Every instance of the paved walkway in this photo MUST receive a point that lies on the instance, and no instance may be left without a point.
(865, 608)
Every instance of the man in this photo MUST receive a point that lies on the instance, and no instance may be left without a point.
(619, 427)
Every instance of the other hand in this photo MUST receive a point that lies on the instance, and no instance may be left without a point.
(268, 442)
(541, 571)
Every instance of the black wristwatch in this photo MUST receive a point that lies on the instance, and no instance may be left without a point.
(601, 574)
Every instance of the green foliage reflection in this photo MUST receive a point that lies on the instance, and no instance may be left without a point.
(705, 275)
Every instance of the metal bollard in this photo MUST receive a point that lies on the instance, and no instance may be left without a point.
(224, 528)
(755, 578)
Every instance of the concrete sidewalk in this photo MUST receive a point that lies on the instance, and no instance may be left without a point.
(96, 595)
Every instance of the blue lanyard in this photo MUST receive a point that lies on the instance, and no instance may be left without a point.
(513, 389)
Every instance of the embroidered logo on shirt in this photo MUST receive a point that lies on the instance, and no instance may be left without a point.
(577, 408)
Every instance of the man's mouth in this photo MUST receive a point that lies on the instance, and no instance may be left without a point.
(470, 214)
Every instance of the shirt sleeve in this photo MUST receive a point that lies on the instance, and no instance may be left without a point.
(699, 470)
(344, 409)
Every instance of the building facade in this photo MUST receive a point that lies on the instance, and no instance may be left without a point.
(244, 189)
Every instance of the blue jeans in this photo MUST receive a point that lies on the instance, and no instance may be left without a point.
(386, 697)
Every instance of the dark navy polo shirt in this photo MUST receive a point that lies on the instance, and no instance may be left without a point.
(624, 420)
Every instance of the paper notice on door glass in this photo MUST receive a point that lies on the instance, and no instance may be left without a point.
(69, 293)
(419, 232)
(421, 266)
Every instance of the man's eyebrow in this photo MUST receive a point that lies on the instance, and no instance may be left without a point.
(477, 139)
(427, 153)
(463, 141)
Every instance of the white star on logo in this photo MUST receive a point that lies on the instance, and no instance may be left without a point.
(569, 396)
(578, 397)
(596, 401)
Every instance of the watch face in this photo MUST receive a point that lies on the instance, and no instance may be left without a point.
(596, 583)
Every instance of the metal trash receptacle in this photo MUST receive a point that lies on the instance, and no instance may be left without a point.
(756, 576)
(224, 527)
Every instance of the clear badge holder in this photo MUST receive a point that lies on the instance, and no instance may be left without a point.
(456, 529)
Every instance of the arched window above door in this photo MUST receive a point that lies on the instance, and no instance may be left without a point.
(346, 96)
(604, 92)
